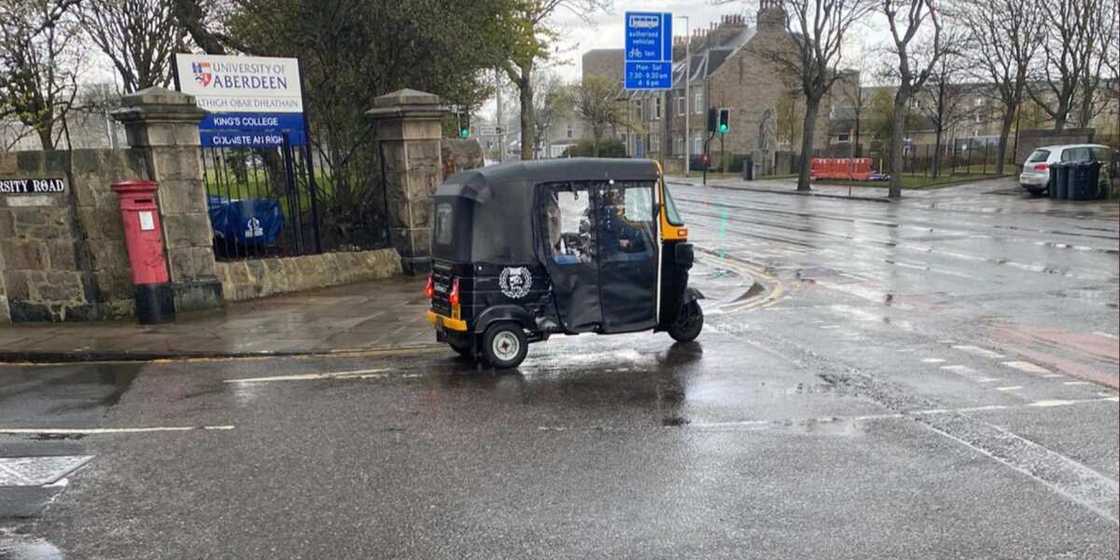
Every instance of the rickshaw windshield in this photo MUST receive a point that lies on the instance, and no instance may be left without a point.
(671, 213)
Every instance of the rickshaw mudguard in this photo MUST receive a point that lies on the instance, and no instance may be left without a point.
(499, 313)
(691, 295)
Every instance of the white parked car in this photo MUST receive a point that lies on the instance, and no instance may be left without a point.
(1036, 170)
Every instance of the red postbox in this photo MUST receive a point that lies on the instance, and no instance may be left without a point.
(144, 241)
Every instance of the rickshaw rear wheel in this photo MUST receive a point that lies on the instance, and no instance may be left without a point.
(504, 345)
(689, 324)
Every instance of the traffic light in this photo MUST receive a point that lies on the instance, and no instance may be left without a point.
(713, 120)
(724, 121)
(464, 125)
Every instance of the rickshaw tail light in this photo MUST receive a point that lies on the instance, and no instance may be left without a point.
(454, 297)
(430, 288)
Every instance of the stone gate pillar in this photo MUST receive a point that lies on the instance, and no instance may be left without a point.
(409, 129)
(162, 127)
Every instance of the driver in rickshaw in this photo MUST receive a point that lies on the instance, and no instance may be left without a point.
(618, 235)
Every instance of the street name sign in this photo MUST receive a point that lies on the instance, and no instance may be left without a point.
(251, 102)
(32, 186)
(649, 51)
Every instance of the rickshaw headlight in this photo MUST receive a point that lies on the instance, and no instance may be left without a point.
(430, 288)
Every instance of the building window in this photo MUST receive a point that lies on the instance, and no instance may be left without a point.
(657, 108)
(843, 138)
(654, 143)
(698, 103)
(570, 132)
(680, 105)
(697, 144)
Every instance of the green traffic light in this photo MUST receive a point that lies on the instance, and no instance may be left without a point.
(464, 133)
(723, 129)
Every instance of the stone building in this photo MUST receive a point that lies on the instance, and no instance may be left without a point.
(729, 68)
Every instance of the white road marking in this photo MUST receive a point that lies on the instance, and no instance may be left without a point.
(1027, 367)
(983, 408)
(989, 379)
(1106, 335)
(1052, 376)
(1076, 383)
(888, 416)
(1063, 475)
(356, 374)
(1010, 388)
(1047, 404)
(933, 360)
(977, 351)
(958, 369)
(94, 431)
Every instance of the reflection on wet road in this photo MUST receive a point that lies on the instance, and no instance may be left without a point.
(935, 379)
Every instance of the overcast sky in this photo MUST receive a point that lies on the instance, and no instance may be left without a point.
(605, 30)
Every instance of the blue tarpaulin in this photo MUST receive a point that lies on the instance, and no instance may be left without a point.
(253, 221)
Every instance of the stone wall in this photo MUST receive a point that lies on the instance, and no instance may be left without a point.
(62, 255)
(257, 278)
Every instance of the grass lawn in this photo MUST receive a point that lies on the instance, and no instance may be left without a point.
(916, 181)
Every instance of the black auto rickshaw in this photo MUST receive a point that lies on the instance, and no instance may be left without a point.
(524, 250)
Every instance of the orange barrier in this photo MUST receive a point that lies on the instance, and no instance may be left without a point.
(855, 169)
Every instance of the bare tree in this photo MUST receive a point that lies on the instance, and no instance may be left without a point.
(918, 41)
(1004, 36)
(553, 101)
(1069, 48)
(944, 101)
(1104, 36)
(597, 104)
(200, 19)
(138, 36)
(532, 45)
(38, 64)
(814, 57)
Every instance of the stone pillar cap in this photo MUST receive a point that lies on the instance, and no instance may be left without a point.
(407, 102)
(158, 102)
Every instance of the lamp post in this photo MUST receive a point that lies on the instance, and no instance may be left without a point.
(687, 97)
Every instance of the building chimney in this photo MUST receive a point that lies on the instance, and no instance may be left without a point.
(771, 16)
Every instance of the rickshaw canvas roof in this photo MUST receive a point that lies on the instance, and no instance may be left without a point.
(482, 183)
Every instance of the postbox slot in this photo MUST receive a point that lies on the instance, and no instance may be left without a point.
(143, 201)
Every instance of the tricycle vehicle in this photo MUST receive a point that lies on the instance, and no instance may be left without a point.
(525, 250)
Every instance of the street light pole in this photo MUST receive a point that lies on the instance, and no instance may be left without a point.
(687, 97)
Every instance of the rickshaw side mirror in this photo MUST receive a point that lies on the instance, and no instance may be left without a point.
(656, 210)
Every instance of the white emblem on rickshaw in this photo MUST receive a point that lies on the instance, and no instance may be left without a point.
(515, 282)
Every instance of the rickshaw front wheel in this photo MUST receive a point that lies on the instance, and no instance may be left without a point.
(504, 345)
(689, 324)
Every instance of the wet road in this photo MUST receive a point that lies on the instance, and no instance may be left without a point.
(929, 379)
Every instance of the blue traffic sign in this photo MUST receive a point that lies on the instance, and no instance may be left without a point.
(649, 50)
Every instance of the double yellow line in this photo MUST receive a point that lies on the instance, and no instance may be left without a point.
(775, 290)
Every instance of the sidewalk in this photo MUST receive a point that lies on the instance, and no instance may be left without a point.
(786, 186)
(378, 315)
(383, 315)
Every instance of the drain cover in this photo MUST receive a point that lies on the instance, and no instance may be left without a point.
(38, 471)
